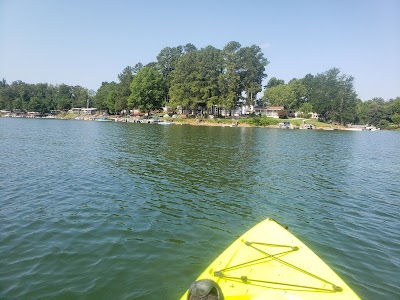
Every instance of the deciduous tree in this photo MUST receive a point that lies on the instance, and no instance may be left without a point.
(332, 96)
(147, 90)
(274, 82)
(252, 66)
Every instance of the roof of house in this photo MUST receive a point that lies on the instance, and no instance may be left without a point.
(269, 107)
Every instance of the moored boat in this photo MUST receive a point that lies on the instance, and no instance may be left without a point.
(104, 119)
(307, 126)
(285, 125)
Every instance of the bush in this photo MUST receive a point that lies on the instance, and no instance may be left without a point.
(282, 114)
(383, 124)
(259, 121)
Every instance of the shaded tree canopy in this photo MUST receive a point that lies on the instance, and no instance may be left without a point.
(211, 76)
(147, 90)
(274, 82)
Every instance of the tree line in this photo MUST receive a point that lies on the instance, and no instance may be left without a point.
(332, 96)
(181, 76)
(207, 80)
(42, 97)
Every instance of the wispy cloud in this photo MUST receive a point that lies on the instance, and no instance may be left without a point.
(265, 45)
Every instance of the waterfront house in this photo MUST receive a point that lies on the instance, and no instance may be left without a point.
(34, 114)
(75, 110)
(5, 112)
(269, 111)
(299, 114)
(83, 111)
(89, 111)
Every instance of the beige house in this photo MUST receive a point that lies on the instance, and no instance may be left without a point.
(269, 111)
(89, 111)
(83, 111)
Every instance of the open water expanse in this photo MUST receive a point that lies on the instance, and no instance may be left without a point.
(101, 210)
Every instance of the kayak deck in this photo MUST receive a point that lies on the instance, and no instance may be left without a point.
(268, 262)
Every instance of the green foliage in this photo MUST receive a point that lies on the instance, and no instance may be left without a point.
(42, 97)
(290, 95)
(80, 96)
(167, 60)
(261, 121)
(122, 90)
(195, 79)
(373, 111)
(396, 119)
(274, 82)
(305, 109)
(383, 124)
(298, 93)
(113, 96)
(279, 95)
(282, 114)
(147, 90)
(329, 94)
(184, 91)
(205, 79)
(209, 76)
(64, 97)
(377, 112)
(105, 97)
(252, 66)
(333, 96)
(192, 78)
(394, 106)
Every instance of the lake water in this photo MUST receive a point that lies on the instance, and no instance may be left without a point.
(99, 210)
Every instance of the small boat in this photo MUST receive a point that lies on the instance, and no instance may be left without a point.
(103, 120)
(285, 125)
(307, 126)
(329, 128)
(268, 262)
(371, 128)
(362, 128)
(164, 123)
(354, 129)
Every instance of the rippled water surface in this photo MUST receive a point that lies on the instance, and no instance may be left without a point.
(97, 210)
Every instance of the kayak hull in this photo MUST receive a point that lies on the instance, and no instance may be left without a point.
(268, 262)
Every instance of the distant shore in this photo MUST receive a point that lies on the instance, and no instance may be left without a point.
(244, 124)
(256, 122)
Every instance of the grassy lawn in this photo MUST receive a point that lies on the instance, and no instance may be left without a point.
(316, 123)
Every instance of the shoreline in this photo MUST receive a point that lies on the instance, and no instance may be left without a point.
(219, 122)
(226, 123)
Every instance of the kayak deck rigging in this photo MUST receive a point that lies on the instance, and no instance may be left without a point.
(275, 257)
(268, 262)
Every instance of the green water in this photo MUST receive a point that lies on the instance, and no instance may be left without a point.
(98, 210)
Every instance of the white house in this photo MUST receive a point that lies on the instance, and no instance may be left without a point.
(269, 111)
(83, 111)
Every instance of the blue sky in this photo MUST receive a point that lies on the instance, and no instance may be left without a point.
(82, 42)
